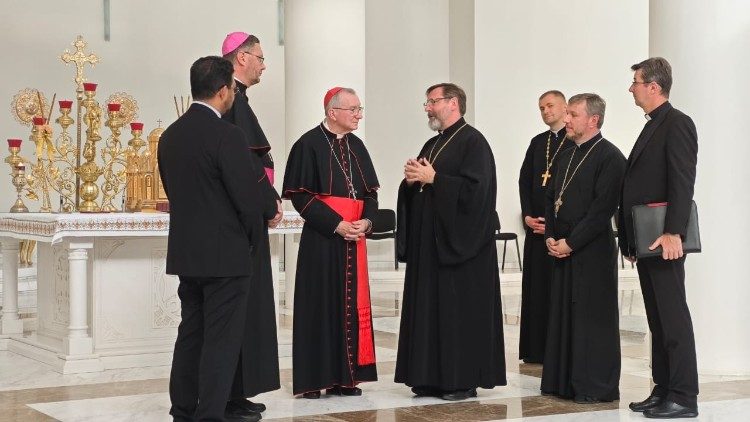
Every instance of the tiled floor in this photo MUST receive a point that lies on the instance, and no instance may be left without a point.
(31, 391)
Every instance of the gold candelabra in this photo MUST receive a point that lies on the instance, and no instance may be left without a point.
(114, 156)
(18, 173)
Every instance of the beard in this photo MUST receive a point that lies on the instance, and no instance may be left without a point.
(434, 123)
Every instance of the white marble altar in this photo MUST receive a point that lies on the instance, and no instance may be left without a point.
(103, 298)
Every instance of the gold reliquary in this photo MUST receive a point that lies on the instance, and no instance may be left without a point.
(144, 190)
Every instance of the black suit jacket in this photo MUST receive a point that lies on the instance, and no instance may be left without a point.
(661, 168)
(215, 211)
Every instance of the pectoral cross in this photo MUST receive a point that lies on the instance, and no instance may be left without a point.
(546, 175)
(558, 204)
(80, 59)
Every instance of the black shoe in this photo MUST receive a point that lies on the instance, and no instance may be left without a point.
(459, 394)
(589, 400)
(338, 390)
(251, 417)
(425, 391)
(246, 405)
(670, 410)
(311, 395)
(650, 402)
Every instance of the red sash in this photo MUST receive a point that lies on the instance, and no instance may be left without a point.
(351, 210)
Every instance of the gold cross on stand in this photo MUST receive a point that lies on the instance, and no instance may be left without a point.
(546, 175)
(80, 59)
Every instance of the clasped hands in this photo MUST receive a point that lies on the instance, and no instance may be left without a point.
(276, 218)
(419, 170)
(558, 248)
(354, 230)
(536, 224)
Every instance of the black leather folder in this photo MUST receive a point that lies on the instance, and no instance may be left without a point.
(648, 225)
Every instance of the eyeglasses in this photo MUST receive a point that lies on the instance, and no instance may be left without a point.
(636, 83)
(260, 58)
(432, 101)
(353, 110)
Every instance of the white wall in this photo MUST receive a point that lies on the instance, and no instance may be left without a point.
(153, 43)
(526, 48)
(406, 51)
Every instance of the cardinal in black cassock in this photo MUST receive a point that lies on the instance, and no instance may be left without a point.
(582, 357)
(329, 179)
(451, 336)
(258, 367)
(535, 177)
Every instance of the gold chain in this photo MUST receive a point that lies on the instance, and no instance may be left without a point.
(565, 184)
(430, 159)
(547, 161)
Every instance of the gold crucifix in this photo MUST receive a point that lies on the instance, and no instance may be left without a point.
(80, 59)
(546, 175)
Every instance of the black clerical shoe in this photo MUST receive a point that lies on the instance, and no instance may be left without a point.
(589, 400)
(246, 405)
(311, 395)
(235, 417)
(425, 391)
(338, 390)
(670, 410)
(459, 394)
(650, 402)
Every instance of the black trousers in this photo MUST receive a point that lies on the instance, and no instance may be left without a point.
(207, 346)
(673, 365)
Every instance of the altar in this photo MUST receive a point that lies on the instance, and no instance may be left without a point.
(103, 298)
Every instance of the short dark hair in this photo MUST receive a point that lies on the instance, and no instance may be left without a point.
(595, 105)
(451, 91)
(656, 69)
(248, 44)
(554, 92)
(208, 75)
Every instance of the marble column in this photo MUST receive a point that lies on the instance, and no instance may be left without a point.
(78, 341)
(10, 323)
(324, 47)
(706, 44)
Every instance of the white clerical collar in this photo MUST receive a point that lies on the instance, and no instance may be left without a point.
(209, 106)
(325, 124)
(647, 116)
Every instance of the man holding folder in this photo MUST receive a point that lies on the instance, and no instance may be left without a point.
(661, 168)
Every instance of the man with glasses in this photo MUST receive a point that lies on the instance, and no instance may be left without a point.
(331, 181)
(661, 168)
(258, 367)
(533, 181)
(451, 337)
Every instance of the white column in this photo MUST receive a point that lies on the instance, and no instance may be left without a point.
(78, 340)
(10, 323)
(324, 47)
(706, 44)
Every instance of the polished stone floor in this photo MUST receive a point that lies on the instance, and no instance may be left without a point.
(31, 391)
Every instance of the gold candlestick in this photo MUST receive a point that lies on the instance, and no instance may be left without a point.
(41, 135)
(67, 157)
(113, 156)
(18, 175)
(89, 172)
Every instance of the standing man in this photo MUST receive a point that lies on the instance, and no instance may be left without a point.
(215, 223)
(661, 168)
(258, 367)
(331, 181)
(535, 177)
(582, 356)
(451, 337)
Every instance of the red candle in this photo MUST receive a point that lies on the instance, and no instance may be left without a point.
(67, 104)
(89, 86)
(136, 126)
(113, 107)
(14, 143)
(38, 121)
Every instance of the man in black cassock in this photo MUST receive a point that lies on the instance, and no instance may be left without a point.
(451, 337)
(582, 356)
(258, 367)
(331, 181)
(535, 177)
(662, 168)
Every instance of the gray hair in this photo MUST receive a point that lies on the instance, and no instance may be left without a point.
(451, 91)
(656, 69)
(595, 105)
(336, 99)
